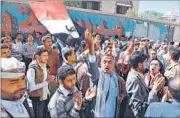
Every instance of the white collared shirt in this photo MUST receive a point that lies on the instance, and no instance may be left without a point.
(15, 108)
(18, 46)
(32, 86)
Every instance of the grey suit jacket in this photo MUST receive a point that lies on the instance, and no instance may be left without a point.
(138, 94)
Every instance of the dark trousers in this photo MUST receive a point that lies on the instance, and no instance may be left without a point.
(123, 107)
(40, 107)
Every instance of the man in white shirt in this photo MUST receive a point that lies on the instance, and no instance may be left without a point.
(38, 79)
(13, 87)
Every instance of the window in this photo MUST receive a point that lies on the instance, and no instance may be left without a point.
(91, 5)
(123, 6)
(121, 9)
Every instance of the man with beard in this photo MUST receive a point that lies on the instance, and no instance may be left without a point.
(153, 75)
(13, 88)
(38, 79)
(138, 92)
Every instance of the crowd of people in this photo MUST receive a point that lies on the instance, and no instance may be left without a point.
(45, 76)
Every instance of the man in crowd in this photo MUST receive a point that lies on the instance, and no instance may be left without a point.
(18, 43)
(60, 45)
(38, 79)
(167, 109)
(176, 45)
(38, 40)
(138, 92)
(153, 75)
(107, 84)
(153, 55)
(14, 52)
(13, 87)
(53, 61)
(5, 52)
(28, 50)
(69, 56)
(67, 100)
(174, 68)
(145, 42)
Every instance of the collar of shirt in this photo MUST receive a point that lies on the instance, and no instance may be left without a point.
(10, 104)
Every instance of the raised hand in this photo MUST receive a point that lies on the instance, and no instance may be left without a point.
(158, 84)
(90, 94)
(78, 100)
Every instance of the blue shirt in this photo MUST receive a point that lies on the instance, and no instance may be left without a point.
(163, 109)
(38, 42)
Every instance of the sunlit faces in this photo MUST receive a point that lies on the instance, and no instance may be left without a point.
(13, 89)
(48, 43)
(30, 38)
(154, 66)
(43, 58)
(8, 42)
(69, 82)
(5, 53)
(153, 54)
(107, 63)
(73, 57)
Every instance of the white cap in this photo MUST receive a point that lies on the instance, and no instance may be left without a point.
(12, 68)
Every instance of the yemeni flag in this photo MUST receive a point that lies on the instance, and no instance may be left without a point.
(54, 16)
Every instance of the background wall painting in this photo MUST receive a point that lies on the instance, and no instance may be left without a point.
(19, 18)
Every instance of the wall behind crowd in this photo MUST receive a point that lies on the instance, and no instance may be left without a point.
(19, 18)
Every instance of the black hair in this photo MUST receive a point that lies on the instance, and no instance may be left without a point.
(4, 47)
(65, 71)
(17, 34)
(70, 41)
(175, 53)
(54, 46)
(39, 33)
(129, 38)
(3, 39)
(172, 43)
(40, 50)
(116, 36)
(174, 87)
(67, 52)
(83, 44)
(136, 58)
(137, 43)
(161, 70)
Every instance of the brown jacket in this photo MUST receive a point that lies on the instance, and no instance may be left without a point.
(54, 63)
(38, 79)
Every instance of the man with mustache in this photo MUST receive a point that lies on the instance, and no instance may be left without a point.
(38, 79)
(107, 82)
(13, 87)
